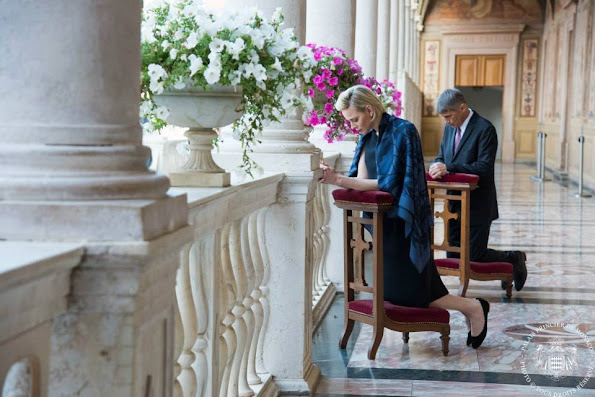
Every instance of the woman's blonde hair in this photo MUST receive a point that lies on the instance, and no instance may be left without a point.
(358, 97)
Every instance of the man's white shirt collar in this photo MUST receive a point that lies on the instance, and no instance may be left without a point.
(466, 122)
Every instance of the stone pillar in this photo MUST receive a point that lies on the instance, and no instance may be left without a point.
(337, 31)
(383, 39)
(412, 38)
(285, 148)
(393, 64)
(366, 13)
(408, 38)
(402, 34)
(72, 168)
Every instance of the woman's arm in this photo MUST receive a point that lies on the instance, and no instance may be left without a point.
(361, 182)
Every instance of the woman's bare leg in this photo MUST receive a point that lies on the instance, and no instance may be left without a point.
(471, 308)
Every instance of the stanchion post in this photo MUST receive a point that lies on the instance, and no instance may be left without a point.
(581, 154)
(540, 177)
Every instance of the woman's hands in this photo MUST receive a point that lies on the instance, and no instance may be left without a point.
(329, 175)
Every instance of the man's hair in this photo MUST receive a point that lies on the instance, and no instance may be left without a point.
(450, 99)
(358, 97)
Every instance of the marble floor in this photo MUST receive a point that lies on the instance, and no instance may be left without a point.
(541, 342)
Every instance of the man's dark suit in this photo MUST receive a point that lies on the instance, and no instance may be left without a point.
(475, 154)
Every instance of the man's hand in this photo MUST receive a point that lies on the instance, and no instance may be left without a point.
(329, 175)
(437, 170)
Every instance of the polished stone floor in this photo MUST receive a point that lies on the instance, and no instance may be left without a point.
(540, 342)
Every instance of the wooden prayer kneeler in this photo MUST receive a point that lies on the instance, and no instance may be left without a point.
(376, 311)
(462, 267)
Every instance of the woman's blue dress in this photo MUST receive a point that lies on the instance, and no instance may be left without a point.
(404, 285)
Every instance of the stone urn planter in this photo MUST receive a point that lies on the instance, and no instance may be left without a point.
(201, 111)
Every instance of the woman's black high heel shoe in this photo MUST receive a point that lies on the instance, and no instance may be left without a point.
(469, 338)
(476, 341)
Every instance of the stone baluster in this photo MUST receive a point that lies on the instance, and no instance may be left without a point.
(228, 341)
(199, 271)
(318, 244)
(186, 379)
(262, 259)
(239, 378)
(325, 230)
(253, 307)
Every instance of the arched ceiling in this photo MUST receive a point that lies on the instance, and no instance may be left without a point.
(482, 9)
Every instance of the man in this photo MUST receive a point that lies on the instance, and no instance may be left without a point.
(469, 145)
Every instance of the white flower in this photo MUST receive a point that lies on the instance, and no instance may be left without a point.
(195, 64)
(248, 69)
(179, 35)
(145, 107)
(162, 112)
(215, 61)
(191, 41)
(156, 88)
(156, 72)
(304, 53)
(235, 77)
(277, 65)
(217, 45)
(184, 57)
(260, 73)
(165, 45)
(258, 41)
(212, 75)
(276, 15)
(254, 57)
(173, 53)
(287, 100)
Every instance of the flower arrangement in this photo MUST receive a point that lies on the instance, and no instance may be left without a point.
(333, 73)
(185, 44)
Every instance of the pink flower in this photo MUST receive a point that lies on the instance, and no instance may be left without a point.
(340, 71)
(330, 94)
(321, 86)
(318, 79)
(311, 92)
(326, 74)
(322, 120)
(317, 55)
(340, 137)
(333, 81)
(337, 61)
(328, 108)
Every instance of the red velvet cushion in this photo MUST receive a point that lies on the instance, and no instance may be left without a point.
(477, 267)
(357, 196)
(455, 178)
(402, 314)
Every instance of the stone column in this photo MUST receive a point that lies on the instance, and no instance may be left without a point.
(413, 39)
(72, 168)
(366, 13)
(336, 31)
(408, 38)
(383, 39)
(401, 42)
(393, 64)
(285, 148)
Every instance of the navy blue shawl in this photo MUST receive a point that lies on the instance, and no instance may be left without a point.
(401, 172)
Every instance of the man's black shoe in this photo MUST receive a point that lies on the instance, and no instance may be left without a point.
(519, 265)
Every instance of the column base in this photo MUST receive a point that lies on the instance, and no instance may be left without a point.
(300, 387)
(107, 220)
(200, 179)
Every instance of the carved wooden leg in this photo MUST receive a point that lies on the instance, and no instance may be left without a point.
(405, 337)
(346, 333)
(445, 340)
(509, 290)
(378, 333)
(463, 286)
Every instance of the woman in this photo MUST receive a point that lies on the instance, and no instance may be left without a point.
(389, 158)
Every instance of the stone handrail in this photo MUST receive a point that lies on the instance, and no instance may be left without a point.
(34, 283)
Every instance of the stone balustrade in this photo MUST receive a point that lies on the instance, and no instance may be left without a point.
(34, 284)
(222, 292)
